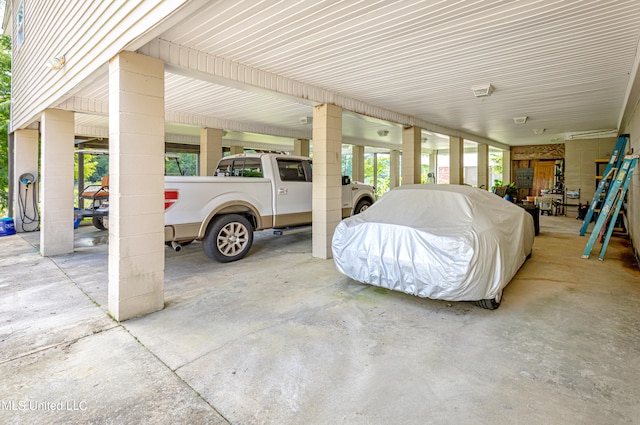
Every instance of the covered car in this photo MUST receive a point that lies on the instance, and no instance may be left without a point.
(447, 242)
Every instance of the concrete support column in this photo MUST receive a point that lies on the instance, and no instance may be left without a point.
(210, 150)
(26, 161)
(411, 155)
(433, 164)
(327, 185)
(301, 147)
(506, 167)
(236, 150)
(56, 222)
(483, 166)
(357, 163)
(394, 169)
(136, 185)
(456, 160)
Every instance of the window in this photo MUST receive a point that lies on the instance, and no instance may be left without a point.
(292, 170)
(20, 25)
(377, 168)
(495, 167)
(240, 167)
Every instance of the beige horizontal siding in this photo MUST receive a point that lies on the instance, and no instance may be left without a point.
(88, 32)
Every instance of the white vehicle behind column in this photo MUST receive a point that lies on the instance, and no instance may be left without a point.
(249, 192)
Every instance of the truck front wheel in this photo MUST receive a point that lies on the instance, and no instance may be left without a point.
(229, 238)
(363, 205)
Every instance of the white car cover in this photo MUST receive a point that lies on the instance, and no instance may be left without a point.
(446, 242)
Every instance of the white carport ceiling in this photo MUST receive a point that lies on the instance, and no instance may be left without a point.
(566, 65)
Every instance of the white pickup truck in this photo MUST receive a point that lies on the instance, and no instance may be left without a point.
(249, 192)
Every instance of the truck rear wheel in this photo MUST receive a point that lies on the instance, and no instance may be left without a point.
(229, 238)
(98, 223)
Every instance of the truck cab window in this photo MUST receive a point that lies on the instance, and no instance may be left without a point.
(240, 167)
(292, 170)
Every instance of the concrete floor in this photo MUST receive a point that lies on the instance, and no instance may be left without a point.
(282, 338)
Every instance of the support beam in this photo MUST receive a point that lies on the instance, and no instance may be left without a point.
(327, 186)
(394, 169)
(411, 155)
(301, 147)
(136, 186)
(25, 213)
(357, 163)
(483, 166)
(210, 150)
(506, 167)
(56, 225)
(456, 160)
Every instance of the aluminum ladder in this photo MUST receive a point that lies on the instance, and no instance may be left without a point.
(609, 174)
(612, 204)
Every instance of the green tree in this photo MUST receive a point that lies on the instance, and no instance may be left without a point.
(188, 165)
(495, 168)
(383, 168)
(90, 165)
(5, 101)
(95, 173)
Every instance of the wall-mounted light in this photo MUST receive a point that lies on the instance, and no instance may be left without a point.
(383, 133)
(482, 91)
(520, 120)
(306, 120)
(57, 62)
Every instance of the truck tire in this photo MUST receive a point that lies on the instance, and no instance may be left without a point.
(98, 223)
(362, 205)
(229, 238)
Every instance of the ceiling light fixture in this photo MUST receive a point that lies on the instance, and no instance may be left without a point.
(306, 120)
(482, 91)
(520, 120)
(591, 134)
(538, 130)
(383, 133)
(57, 62)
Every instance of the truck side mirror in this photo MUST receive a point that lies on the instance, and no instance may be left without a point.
(346, 180)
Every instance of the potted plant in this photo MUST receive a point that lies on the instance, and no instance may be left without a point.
(511, 193)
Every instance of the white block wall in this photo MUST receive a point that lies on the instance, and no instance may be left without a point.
(136, 185)
(483, 166)
(26, 161)
(56, 226)
(456, 160)
(210, 150)
(327, 180)
(411, 155)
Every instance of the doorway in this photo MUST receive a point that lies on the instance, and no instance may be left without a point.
(543, 176)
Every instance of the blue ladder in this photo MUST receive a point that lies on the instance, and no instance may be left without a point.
(609, 174)
(615, 198)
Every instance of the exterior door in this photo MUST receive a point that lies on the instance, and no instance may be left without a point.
(543, 176)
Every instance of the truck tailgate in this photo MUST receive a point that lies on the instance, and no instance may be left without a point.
(199, 196)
